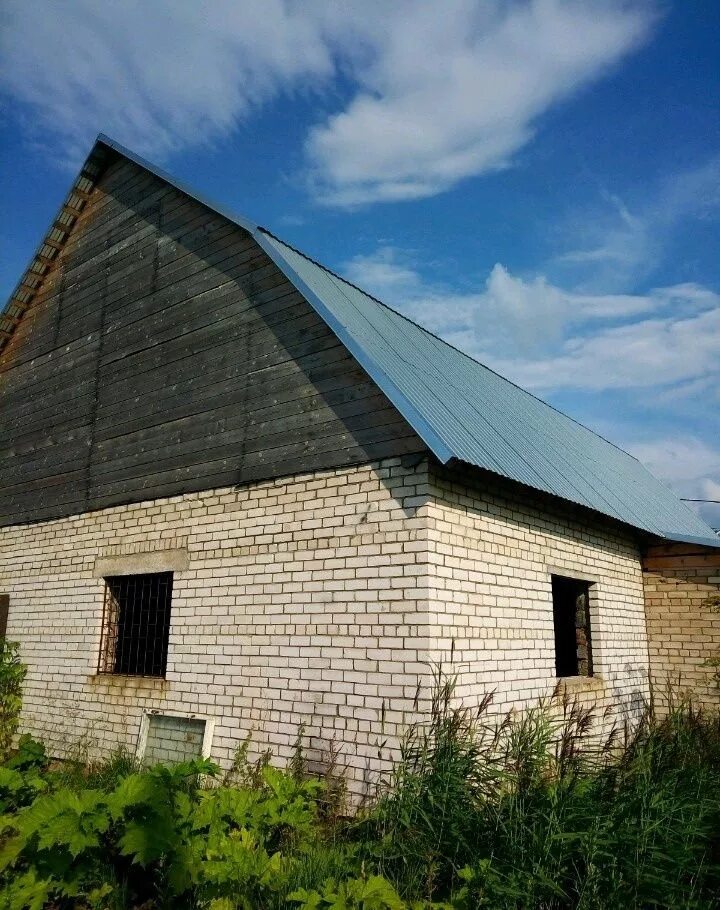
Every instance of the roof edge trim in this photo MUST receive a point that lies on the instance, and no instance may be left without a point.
(178, 184)
(684, 538)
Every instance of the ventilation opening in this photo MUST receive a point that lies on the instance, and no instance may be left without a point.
(136, 624)
(571, 617)
(169, 739)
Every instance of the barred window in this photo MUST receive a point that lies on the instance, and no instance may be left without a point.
(571, 618)
(136, 624)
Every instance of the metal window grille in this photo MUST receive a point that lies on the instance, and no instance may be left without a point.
(136, 624)
(571, 619)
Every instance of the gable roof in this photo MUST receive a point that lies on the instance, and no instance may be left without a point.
(462, 410)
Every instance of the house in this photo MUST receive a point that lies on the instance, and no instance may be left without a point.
(242, 497)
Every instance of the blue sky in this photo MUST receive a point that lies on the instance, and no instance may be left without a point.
(538, 182)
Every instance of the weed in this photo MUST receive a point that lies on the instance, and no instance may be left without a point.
(535, 810)
(12, 676)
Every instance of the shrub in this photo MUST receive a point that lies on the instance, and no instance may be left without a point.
(157, 834)
(534, 811)
(12, 676)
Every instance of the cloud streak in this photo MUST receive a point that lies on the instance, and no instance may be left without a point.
(616, 244)
(451, 94)
(160, 76)
(438, 92)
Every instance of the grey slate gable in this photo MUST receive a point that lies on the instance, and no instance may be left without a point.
(467, 413)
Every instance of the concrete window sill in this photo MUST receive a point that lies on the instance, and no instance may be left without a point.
(116, 682)
(572, 684)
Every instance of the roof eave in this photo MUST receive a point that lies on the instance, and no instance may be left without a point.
(700, 541)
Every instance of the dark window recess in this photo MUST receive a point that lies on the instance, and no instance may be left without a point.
(571, 617)
(4, 608)
(136, 624)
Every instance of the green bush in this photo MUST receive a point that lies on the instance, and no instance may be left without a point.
(531, 812)
(12, 676)
(157, 835)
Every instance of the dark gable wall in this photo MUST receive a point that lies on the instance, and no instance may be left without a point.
(168, 354)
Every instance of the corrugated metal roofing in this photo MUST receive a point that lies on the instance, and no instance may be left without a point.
(465, 411)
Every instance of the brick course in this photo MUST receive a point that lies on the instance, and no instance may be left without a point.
(684, 631)
(299, 606)
(322, 601)
(493, 549)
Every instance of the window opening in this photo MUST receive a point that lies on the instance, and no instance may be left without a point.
(571, 618)
(136, 624)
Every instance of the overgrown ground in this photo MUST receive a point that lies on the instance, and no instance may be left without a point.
(529, 813)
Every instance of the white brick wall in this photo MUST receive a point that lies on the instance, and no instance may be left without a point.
(492, 551)
(319, 600)
(299, 605)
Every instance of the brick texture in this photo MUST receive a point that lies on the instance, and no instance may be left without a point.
(492, 551)
(322, 602)
(683, 630)
(298, 608)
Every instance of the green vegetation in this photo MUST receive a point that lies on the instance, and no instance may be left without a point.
(12, 676)
(533, 812)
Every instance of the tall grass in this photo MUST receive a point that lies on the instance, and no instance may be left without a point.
(539, 811)
(535, 810)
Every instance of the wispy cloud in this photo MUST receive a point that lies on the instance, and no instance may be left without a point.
(620, 243)
(158, 76)
(647, 354)
(548, 338)
(447, 94)
(438, 92)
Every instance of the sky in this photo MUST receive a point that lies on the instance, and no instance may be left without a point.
(536, 181)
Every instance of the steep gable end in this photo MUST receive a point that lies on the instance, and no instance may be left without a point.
(416, 393)
(165, 352)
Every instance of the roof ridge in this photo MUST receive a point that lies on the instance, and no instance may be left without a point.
(444, 341)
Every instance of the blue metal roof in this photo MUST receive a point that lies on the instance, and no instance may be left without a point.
(465, 411)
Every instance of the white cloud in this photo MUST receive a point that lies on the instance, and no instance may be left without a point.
(547, 338)
(690, 466)
(645, 354)
(157, 76)
(615, 245)
(447, 94)
(438, 92)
